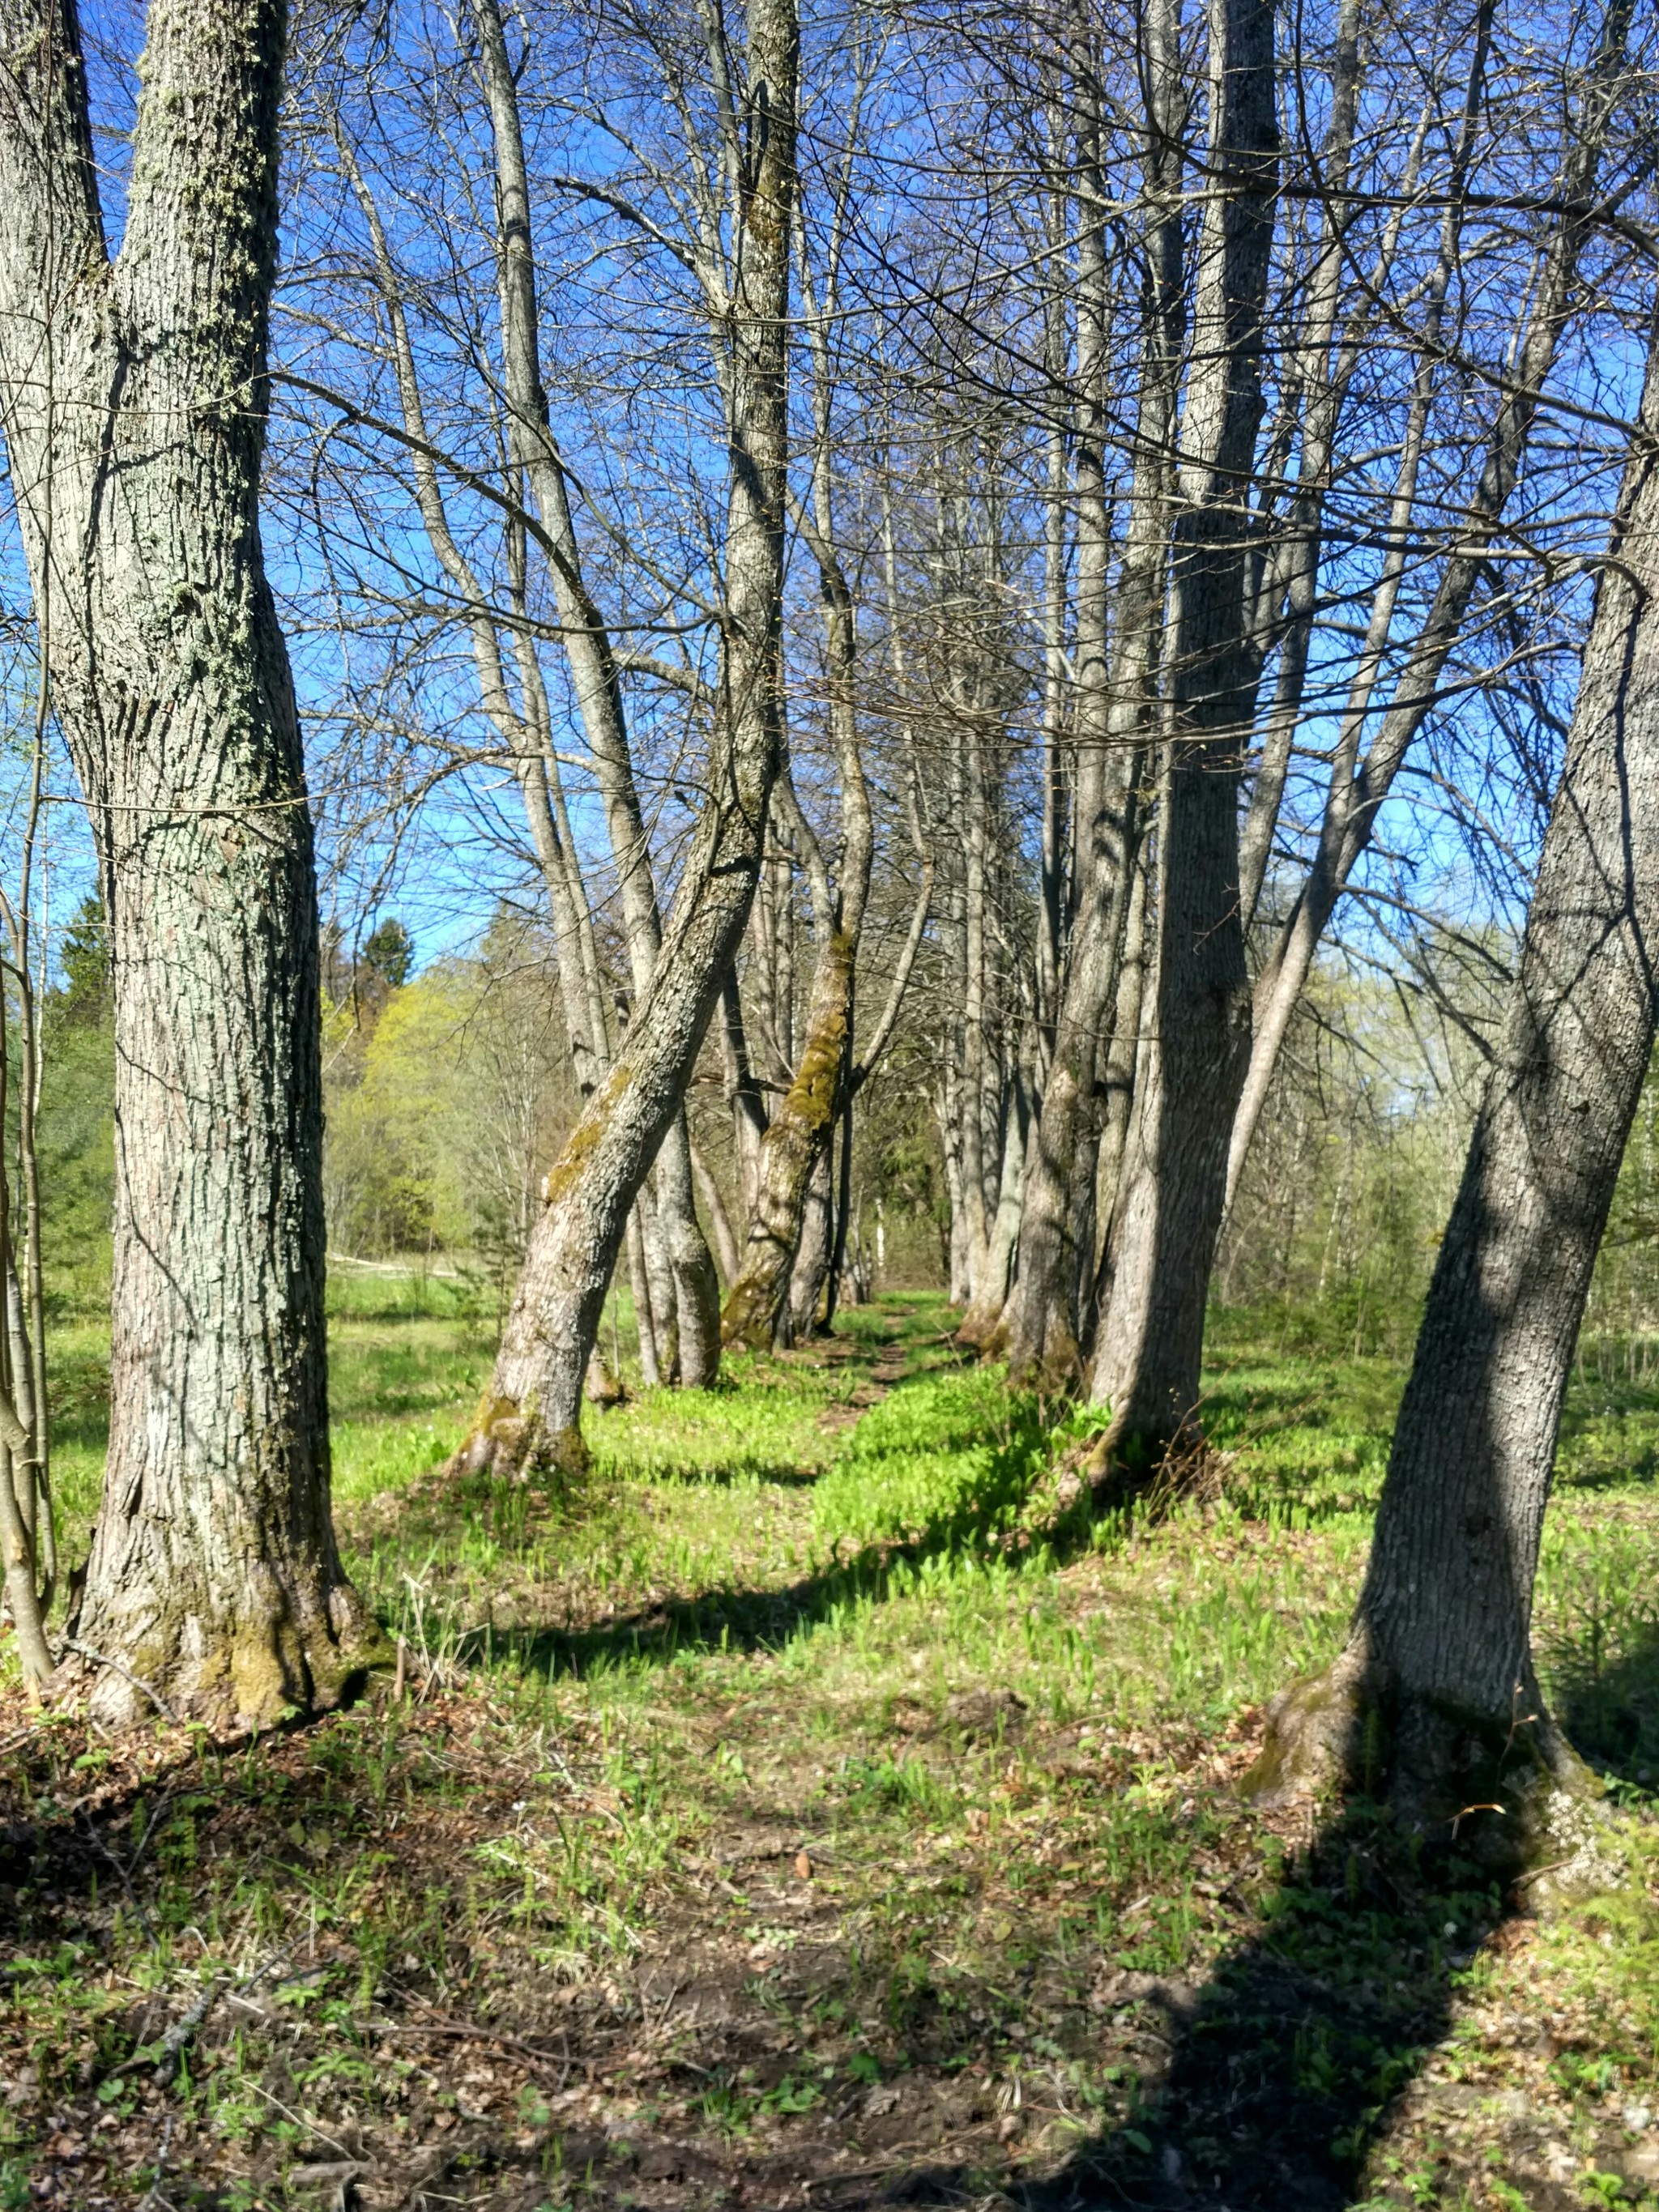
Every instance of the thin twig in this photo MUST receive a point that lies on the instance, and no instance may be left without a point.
(98, 1659)
(462, 2031)
(152, 2200)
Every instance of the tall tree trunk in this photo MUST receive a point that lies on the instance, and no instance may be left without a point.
(744, 1095)
(1115, 709)
(640, 1287)
(812, 1252)
(134, 403)
(796, 1140)
(1151, 1342)
(980, 1324)
(531, 1414)
(767, 1300)
(1440, 1647)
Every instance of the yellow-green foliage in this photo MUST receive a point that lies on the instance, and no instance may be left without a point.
(444, 1114)
(947, 1459)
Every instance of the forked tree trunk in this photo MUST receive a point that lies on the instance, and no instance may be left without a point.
(134, 398)
(1441, 1643)
(1152, 1339)
(531, 1415)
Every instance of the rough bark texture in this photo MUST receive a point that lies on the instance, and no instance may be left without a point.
(1170, 1214)
(1440, 1650)
(812, 1256)
(1043, 1325)
(690, 1263)
(531, 1414)
(133, 398)
(776, 1294)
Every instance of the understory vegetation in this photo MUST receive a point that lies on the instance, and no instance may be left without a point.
(811, 1808)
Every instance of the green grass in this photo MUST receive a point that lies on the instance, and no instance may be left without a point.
(835, 1608)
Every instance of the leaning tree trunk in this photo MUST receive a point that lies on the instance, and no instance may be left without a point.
(1440, 1649)
(134, 405)
(531, 1415)
(1163, 1240)
(692, 1295)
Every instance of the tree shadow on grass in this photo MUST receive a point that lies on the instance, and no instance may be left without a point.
(732, 1616)
(1272, 2081)
(1607, 1699)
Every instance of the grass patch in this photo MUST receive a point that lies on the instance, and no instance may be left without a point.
(787, 1805)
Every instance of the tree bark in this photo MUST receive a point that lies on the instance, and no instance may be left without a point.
(770, 1299)
(133, 394)
(813, 1253)
(745, 1098)
(531, 1415)
(796, 1139)
(1151, 1342)
(1440, 1647)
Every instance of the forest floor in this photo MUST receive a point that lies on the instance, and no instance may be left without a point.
(805, 1812)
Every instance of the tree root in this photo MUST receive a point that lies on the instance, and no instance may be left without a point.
(288, 1646)
(1512, 1794)
(514, 1445)
(1153, 1474)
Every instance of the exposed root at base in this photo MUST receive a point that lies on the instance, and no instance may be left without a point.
(1514, 1797)
(1151, 1473)
(246, 1674)
(516, 1444)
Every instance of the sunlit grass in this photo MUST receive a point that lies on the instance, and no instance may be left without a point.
(835, 1594)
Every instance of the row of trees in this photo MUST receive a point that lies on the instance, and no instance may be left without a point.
(995, 534)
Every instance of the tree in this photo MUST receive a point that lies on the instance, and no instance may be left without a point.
(531, 1415)
(1164, 1237)
(775, 1295)
(132, 392)
(1440, 1647)
(388, 955)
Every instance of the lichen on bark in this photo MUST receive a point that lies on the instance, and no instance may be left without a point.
(798, 1135)
(213, 1576)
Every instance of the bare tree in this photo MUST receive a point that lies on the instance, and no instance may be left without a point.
(1152, 1336)
(531, 1413)
(133, 397)
(1440, 1645)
